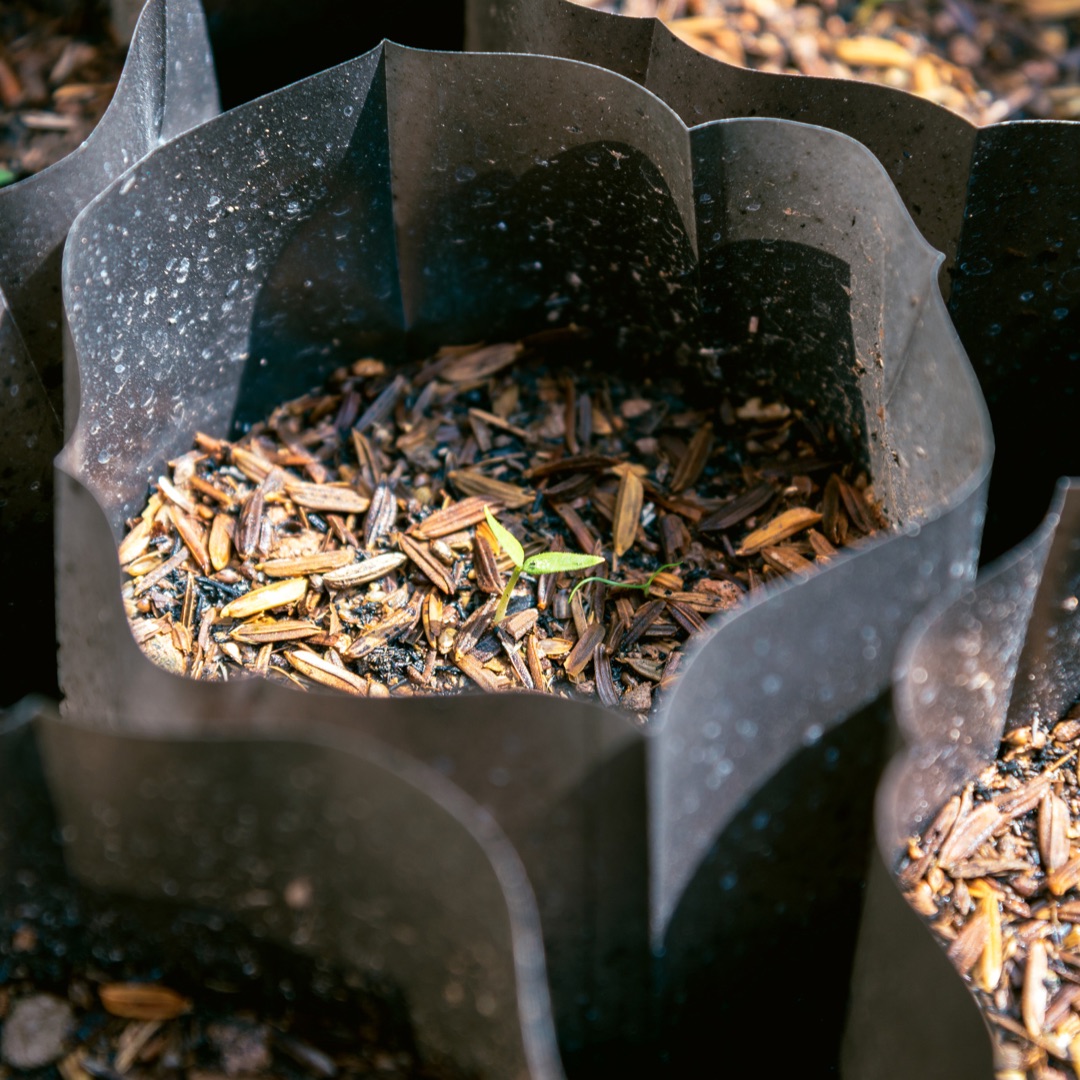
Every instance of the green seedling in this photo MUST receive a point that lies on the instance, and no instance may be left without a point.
(644, 586)
(545, 562)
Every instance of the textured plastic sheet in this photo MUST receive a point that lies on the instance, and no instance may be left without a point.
(1004, 652)
(1000, 201)
(409, 199)
(166, 87)
(341, 851)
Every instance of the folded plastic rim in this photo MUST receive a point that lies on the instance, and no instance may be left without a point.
(969, 670)
(167, 86)
(409, 199)
(1000, 202)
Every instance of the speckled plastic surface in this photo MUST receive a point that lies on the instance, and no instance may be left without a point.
(1001, 202)
(406, 200)
(339, 850)
(1003, 652)
(166, 87)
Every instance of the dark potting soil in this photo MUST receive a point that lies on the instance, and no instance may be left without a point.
(93, 990)
(344, 541)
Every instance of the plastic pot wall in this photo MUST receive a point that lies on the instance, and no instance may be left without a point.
(256, 254)
(167, 86)
(1004, 651)
(1000, 201)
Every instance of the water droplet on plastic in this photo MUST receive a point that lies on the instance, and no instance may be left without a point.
(104, 457)
(1027, 297)
(1060, 313)
(464, 173)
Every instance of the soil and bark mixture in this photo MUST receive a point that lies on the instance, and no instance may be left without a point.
(997, 874)
(344, 541)
(57, 76)
(984, 59)
(92, 993)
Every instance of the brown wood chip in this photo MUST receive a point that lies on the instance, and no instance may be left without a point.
(488, 578)
(582, 653)
(474, 482)
(739, 509)
(693, 461)
(628, 505)
(265, 598)
(142, 1001)
(328, 674)
(780, 528)
(328, 498)
(321, 562)
(420, 555)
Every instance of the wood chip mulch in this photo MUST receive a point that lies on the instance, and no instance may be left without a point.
(57, 76)
(997, 874)
(984, 59)
(80, 1023)
(343, 542)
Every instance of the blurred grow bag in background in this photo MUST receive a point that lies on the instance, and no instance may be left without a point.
(406, 200)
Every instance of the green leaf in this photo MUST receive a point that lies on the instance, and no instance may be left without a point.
(6, 177)
(558, 562)
(507, 540)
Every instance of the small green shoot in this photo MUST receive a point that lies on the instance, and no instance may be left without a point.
(544, 562)
(644, 586)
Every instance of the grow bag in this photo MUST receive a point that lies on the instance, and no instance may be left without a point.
(1000, 202)
(199, 857)
(989, 661)
(406, 200)
(166, 87)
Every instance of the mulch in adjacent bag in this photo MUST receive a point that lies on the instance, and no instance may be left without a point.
(973, 825)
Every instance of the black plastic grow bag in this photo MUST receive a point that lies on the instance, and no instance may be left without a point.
(410, 199)
(973, 669)
(1000, 201)
(167, 86)
(259, 861)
